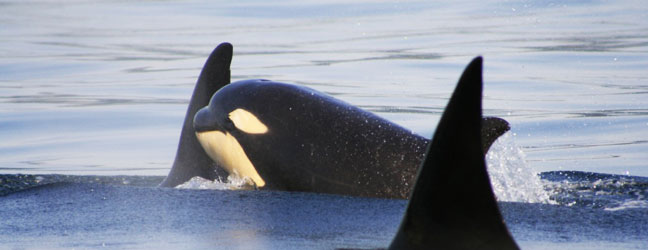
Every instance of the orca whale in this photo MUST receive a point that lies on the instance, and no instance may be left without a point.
(452, 205)
(287, 137)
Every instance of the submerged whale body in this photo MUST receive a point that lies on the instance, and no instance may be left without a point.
(287, 137)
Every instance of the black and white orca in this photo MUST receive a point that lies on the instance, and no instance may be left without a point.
(283, 136)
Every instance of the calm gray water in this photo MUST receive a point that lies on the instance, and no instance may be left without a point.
(101, 87)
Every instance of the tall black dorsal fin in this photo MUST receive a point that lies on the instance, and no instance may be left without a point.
(191, 160)
(452, 205)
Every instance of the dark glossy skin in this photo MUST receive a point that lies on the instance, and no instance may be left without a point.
(316, 143)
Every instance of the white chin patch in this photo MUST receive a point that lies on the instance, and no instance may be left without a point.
(247, 122)
(227, 152)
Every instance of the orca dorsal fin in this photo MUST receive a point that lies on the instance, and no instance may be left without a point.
(191, 160)
(452, 205)
(492, 128)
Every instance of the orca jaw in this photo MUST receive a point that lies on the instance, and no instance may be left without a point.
(225, 150)
(217, 134)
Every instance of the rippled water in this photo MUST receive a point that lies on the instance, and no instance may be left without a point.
(595, 211)
(101, 87)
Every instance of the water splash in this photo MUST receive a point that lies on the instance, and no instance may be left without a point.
(232, 183)
(511, 177)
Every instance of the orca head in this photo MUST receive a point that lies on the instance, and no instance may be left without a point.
(219, 124)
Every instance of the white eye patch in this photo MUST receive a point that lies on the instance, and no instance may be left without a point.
(247, 122)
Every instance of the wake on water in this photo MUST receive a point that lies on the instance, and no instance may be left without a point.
(514, 180)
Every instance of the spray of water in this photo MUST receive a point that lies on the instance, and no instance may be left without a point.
(511, 177)
(232, 183)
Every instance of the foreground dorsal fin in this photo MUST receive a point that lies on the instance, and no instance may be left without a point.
(191, 160)
(452, 205)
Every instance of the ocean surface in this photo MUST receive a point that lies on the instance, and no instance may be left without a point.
(93, 94)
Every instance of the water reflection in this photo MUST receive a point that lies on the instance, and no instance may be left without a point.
(123, 72)
(403, 110)
(606, 113)
(626, 41)
(411, 56)
(70, 100)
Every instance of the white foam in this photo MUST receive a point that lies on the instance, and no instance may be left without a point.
(511, 177)
(629, 204)
(198, 182)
